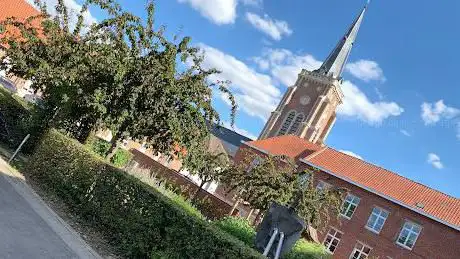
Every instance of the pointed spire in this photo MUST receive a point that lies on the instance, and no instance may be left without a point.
(336, 61)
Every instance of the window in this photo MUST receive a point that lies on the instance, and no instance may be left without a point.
(295, 125)
(332, 240)
(361, 251)
(376, 220)
(349, 206)
(287, 123)
(409, 234)
(323, 186)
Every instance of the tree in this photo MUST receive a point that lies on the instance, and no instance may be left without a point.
(263, 180)
(119, 74)
(314, 205)
(206, 163)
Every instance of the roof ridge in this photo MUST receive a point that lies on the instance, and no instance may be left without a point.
(395, 173)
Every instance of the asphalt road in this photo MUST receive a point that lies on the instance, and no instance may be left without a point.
(29, 228)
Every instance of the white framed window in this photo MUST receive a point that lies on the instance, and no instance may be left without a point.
(332, 240)
(349, 206)
(409, 234)
(377, 220)
(322, 185)
(361, 251)
(287, 123)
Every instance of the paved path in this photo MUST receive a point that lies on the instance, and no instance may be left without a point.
(29, 228)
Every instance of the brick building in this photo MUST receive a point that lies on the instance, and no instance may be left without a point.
(384, 215)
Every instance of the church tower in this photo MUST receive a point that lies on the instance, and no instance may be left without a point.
(308, 108)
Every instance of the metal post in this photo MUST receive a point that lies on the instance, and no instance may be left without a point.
(270, 243)
(19, 148)
(280, 245)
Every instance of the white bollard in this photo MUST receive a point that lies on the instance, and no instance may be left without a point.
(19, 148)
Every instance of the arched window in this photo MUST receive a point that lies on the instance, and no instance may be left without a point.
(296, 124)
(287, 123)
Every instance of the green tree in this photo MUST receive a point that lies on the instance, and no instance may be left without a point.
(315, 206)
(119, 74)
(261, 180)
(206, 163)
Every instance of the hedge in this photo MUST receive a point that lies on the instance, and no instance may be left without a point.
(15, 115)
(137, 219)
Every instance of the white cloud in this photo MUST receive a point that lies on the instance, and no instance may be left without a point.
(276, 29)
(366, 70)
(405, 133)
(284, 65)
(434, 112)
(255, 92)
(217, 11)
(73, 8)
(239, 130)
(356, 104)
(435, 161)
(350, 153)
(256, 3)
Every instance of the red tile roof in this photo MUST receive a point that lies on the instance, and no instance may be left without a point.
(288, 145)
(398, 189)
(18, 9)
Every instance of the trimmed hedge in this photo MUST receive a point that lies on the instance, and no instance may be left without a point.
(16, 117)
(137, 219)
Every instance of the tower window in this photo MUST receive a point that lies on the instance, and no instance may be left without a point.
(295, 125)
(287, 123)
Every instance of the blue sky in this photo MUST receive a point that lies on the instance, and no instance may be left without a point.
(402, 105)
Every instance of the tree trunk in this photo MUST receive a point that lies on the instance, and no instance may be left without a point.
(195, 196)
(249, 214)
(113, 147)
(235, 205)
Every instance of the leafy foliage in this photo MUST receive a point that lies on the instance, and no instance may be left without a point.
(119, 74)
(121, 158)
(136, 218)
(207, 164)
(16, 120)
(100, 146)
(261, 180)
(307, 250)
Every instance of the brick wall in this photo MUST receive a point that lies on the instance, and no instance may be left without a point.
(213, 207)
(436, 240)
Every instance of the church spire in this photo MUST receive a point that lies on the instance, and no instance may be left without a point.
(336, 61)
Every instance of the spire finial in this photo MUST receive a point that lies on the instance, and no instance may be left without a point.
(335, 62)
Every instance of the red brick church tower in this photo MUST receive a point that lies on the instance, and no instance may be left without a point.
(308, 108)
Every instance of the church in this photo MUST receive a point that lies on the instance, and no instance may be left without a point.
(384, 215)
